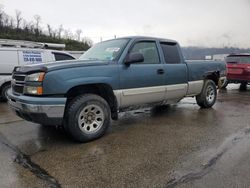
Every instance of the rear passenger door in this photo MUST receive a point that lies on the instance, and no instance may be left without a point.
(176, 73)
(142, 82)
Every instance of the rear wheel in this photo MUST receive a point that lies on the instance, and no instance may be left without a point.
(88, 117)
(225, 84)
(4, 90)
(208, 95)
(243, 86)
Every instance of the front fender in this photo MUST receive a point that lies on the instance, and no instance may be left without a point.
(4, 79)
(60, 81)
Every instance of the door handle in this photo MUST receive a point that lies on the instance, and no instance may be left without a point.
(160, 71)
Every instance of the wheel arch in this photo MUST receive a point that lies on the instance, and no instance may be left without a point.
(3, 85)
(214, 76)
(101, 89)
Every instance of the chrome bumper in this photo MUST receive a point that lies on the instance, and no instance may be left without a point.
(51, 111)
(43, 110)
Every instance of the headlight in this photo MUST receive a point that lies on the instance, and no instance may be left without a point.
(33, 90)
(33, 84)
(36, 77)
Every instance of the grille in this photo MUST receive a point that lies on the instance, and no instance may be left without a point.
(18, 81)
(19, 77)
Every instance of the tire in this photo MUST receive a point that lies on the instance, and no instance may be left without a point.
(208, 95)
(88, 117)
(224, 86)
(243, 86)
(4, 90)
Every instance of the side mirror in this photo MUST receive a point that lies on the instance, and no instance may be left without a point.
(133, 58)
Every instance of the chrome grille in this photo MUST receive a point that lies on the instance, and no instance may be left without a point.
(18, 82)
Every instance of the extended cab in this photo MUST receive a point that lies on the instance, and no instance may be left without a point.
(111, 77)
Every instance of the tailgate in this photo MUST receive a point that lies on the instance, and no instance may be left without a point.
(235, 68)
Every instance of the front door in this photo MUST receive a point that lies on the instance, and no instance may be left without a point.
(142, 83)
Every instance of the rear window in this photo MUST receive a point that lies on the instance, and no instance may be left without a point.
(171, 53)
(61, 57)
(238, 59)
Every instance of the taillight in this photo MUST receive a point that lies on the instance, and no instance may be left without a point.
(247, 69)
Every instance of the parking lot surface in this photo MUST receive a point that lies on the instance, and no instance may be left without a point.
(172, 146)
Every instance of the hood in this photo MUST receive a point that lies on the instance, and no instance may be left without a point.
(47, 67)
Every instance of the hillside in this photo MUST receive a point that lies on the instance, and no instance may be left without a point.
(197, 53)
(18, 28)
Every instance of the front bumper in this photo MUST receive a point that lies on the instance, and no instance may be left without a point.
(41, 110)
(238, 78)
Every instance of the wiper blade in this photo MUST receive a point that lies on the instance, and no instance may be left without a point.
(92, 58)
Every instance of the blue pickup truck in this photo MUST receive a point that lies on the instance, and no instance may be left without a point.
(113, 76)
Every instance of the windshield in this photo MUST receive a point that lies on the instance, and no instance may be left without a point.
(108, 50)
(238, 59)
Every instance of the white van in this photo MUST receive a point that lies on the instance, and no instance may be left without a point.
(12, 56)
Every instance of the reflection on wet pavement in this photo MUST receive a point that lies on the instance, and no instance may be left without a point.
(179, 145)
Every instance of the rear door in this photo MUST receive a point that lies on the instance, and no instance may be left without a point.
(176, 73)
(142, 82)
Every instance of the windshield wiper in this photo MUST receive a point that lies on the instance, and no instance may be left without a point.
(92, 58)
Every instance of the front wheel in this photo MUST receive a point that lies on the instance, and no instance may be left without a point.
(3, 96)
(88, 117)
(208, 95)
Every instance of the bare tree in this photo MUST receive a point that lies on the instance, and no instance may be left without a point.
(12, 22)
(37, 23)
(25, 26)
(31, 27)
(60, 30)
(18, 18)
(78, 34)
(68, 34)
(87, 41)
(50, 30)
(1, 15)
(6, 20)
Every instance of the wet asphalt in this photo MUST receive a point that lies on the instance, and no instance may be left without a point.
(172, 146)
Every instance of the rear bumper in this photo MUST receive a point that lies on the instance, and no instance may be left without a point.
(238, 78)
(42, 110)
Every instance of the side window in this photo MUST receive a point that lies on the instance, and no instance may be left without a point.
(60, 57)
(171, 53)
(148, 50)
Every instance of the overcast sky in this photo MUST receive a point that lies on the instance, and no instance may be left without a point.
(212, 23)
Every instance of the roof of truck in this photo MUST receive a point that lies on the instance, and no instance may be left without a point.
(149, 38)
